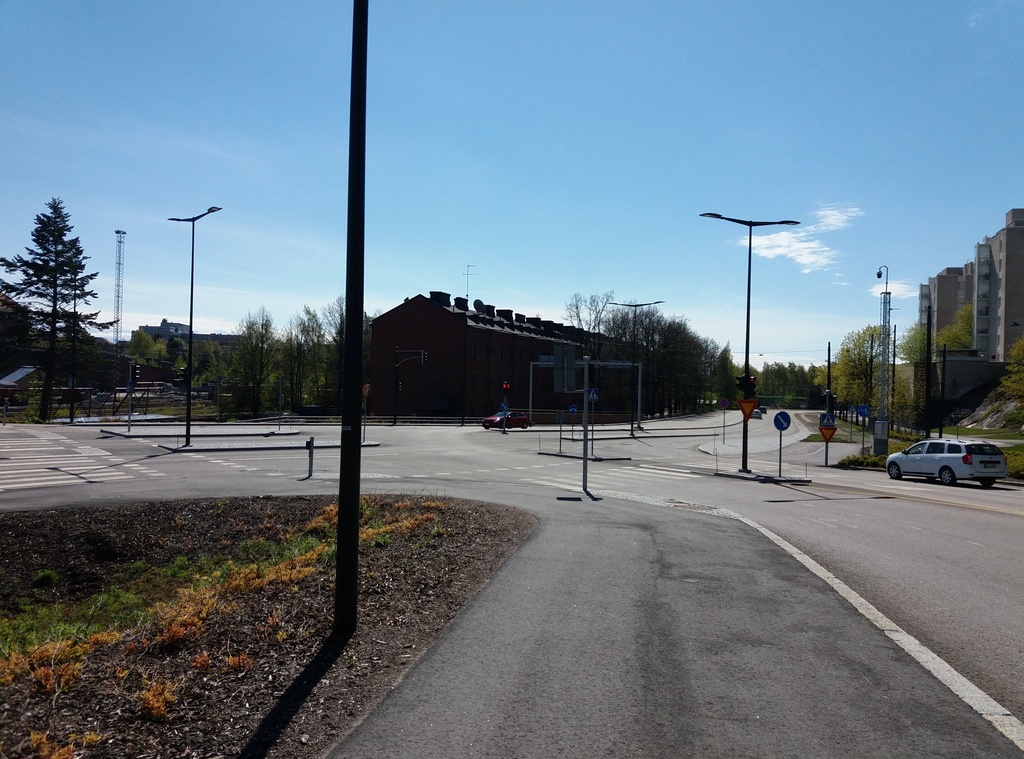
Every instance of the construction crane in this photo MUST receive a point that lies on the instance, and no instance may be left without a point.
(118, 295)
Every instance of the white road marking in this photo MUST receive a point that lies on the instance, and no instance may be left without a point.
(968, 692)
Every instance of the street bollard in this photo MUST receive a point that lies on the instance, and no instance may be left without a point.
(309, 447)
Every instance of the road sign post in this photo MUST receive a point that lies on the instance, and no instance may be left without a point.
(782, 422)
(827, 428)
(864, 411)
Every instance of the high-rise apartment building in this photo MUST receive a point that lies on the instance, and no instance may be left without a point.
(999, 301)
(993, 282)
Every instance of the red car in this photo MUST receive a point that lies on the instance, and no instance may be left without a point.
(511, 420)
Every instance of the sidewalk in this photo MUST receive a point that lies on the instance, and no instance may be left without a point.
(620, 631)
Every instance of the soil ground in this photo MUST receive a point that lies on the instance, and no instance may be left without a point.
(261, 674)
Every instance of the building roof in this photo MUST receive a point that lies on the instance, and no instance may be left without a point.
(486, 317)
(17, 376)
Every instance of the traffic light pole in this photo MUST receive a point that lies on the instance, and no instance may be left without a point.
(506, 388)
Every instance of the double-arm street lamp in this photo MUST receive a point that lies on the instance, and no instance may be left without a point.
(748, 389)
(191, 293)
(636, 382)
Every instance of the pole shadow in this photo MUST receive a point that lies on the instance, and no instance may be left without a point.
(273, 725)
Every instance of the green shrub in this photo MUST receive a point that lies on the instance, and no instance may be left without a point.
(46, 578)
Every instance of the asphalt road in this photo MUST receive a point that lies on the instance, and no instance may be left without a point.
(638, 623)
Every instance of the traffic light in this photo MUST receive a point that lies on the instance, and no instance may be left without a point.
(506, 388)
(136, 372)
(747, 385)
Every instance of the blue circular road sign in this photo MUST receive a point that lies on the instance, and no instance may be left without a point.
(864, 410)
(572, 409)
(782, 421)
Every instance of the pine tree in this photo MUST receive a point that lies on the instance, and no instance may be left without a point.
(52, 285)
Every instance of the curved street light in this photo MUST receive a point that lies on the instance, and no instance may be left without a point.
(191, 293)
(636, 381)
(746, 346)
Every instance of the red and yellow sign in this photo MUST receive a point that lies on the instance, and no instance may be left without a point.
(827, 433)
(747, 406)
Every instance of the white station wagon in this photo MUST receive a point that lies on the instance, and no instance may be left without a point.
(949, 460)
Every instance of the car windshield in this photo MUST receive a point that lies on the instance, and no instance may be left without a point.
(983, 449)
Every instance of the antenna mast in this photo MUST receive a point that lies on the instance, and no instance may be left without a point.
(118, 292)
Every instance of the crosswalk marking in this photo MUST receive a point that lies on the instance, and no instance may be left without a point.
(40, 458)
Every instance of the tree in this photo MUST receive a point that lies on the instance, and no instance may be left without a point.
(52, 285)
(588, 314)
(254, 357)
(960, 334)
(1013, 381)
(333, 318)
(858, 366)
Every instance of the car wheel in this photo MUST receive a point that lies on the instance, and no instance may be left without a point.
(987, 482)
(947, 476)
(894, 470)
(525, 425)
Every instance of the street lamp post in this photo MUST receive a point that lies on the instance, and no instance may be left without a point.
(636, 382)
(747, 389)
(191, 298)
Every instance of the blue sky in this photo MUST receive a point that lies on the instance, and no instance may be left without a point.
(547, 148)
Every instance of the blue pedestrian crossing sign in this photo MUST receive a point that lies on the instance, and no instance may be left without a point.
(826, 420)
(592, 394)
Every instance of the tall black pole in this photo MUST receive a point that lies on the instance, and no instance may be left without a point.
(748, 388)
(191, 297)
(636, 385)
(746, 348)
(74, 344)
(928, 376)
(347, 579)
(188, 364)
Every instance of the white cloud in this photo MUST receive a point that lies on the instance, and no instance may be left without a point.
(898, 288)
(801, 244)
(831, 218)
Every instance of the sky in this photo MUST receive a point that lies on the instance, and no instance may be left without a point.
(520, 151)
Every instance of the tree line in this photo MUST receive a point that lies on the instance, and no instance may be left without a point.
(681, 370)
(45, 322)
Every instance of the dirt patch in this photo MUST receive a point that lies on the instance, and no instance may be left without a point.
(262, 675)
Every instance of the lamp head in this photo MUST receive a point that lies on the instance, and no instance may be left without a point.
(878, 274)
(212, 209)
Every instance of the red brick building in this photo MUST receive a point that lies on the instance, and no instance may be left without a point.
(430, 357)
